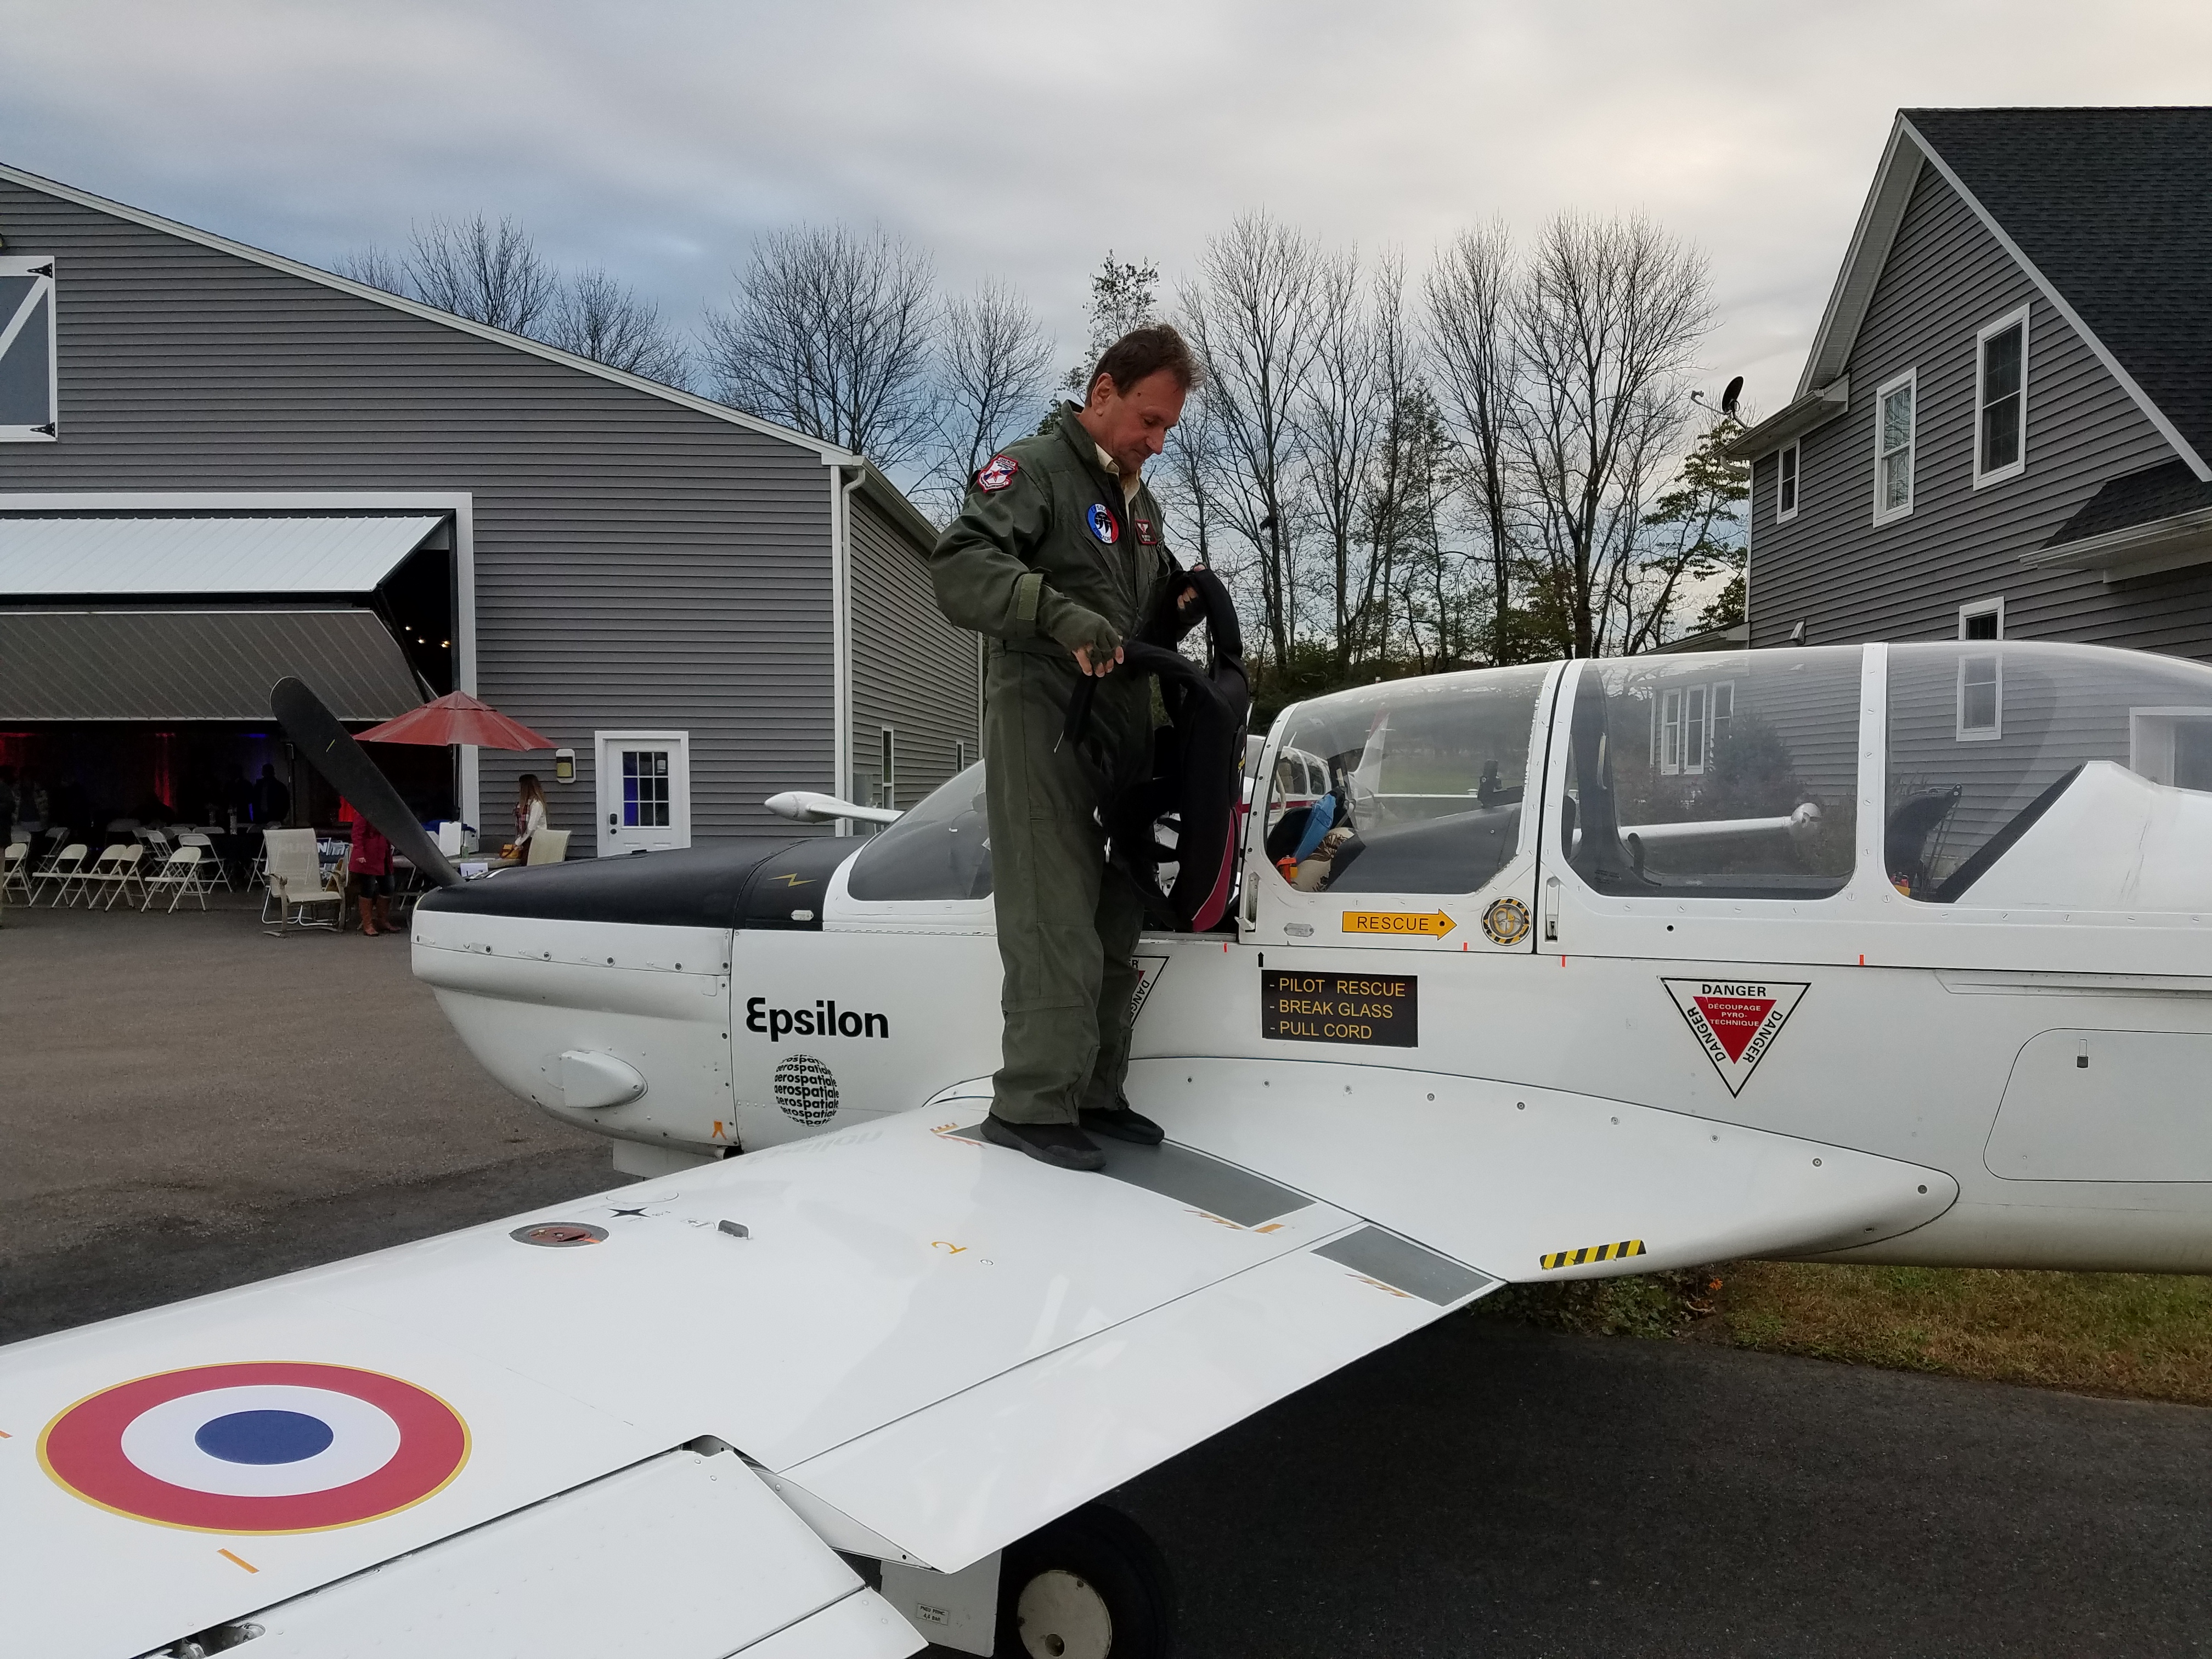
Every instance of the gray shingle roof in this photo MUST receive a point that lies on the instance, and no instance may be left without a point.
(2114, 206)
(2134, 498)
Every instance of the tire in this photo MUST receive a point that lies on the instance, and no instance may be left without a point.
(1092, 1585)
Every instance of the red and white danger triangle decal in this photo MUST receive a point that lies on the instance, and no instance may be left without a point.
(1736, 1021)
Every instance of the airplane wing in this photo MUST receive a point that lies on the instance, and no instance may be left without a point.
(924, 1347)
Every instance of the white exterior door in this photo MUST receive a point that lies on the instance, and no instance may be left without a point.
(645, 791)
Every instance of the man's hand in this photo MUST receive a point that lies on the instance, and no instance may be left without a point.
(1093, 641)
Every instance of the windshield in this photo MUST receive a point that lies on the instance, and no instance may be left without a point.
(1409, 787)
(1984, 738)
(1718, 775)
(940, 849)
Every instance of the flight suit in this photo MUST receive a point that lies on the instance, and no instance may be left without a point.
(1045, 554)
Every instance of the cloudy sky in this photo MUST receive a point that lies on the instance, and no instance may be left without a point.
(659, 137)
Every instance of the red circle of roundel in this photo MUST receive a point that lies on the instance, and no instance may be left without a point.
(81, 1448)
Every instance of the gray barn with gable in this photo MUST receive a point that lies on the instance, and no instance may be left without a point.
(2003, 426)
(627, 569)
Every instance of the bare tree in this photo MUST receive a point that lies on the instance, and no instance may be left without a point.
(488, 274)
(1252, 317)
(993, 363)
(831, 332)
(599, 317)
(373, 267)
(1605, 322)
(1342, 419)
(1471, 295)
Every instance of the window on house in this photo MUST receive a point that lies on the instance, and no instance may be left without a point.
(1667, 726)
(1785, 485)
(1894, 445)
(28, 386)
(1723, 714)
(1690, 725)
(2001, 399)
(959, 757)
(1693, 730)
(1981, 698)
(887, 781)
(1982, 619)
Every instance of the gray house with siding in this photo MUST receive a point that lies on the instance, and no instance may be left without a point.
(706, 608)
(2004, 422)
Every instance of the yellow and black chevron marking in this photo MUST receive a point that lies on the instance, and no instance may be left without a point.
(1589, 1252)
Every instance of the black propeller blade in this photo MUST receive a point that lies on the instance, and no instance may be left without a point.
(331, 749)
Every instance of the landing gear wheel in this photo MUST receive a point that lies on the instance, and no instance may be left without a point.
(1089, 1586)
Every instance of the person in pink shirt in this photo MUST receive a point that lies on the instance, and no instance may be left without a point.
(369, 864)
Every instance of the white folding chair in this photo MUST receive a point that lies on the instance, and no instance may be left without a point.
(61, 870)
(181, 875)
(215, 873)
(93, 875)
(129, 873)
(297, 884)
(15, 869)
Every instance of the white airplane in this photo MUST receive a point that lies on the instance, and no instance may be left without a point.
(1893, 954)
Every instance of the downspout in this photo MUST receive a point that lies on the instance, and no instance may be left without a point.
(841, 582)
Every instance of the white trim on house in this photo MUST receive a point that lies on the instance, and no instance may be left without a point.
(1910, 380)
(1868, 251)
(2166, 429)
(2018, 464)
(841, 630)
(1790, 467)
(830, 453)
(1993, 606)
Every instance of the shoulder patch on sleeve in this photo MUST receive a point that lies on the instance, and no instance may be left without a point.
(997, 473)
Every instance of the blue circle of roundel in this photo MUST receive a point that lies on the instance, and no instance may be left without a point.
(1103, 525)
(264, 1436)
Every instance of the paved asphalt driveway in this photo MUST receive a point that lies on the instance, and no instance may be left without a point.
(206, 1108)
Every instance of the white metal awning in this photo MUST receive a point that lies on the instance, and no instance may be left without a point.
(53, 557)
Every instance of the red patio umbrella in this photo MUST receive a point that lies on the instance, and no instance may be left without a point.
(457, 717)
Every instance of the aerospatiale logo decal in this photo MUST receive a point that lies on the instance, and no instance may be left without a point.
(1736, 1021)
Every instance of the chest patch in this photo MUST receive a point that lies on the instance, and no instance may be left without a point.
(1103, 524)
(1146, 536)
(998, 472)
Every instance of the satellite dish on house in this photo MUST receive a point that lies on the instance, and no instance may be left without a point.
(1728, 397)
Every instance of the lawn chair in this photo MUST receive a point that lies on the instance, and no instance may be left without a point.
(16, 871)
(548, 847)
(297, 884)
(182, 874)
(61, 870)
(93, 876)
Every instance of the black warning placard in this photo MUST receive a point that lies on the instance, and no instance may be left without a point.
(1379, 1010)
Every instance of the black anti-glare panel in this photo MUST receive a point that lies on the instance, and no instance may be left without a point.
(1405, 1266)
(1189, 1177)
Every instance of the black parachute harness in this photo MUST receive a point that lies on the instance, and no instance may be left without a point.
(1194, 788)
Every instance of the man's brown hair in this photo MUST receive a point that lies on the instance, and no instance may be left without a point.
(1144, 351)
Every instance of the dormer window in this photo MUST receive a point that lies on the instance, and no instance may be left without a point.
(2001, 399)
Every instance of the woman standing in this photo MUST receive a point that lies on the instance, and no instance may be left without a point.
(369, 864)
(529, 815)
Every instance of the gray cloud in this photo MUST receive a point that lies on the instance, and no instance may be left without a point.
(1025, 140)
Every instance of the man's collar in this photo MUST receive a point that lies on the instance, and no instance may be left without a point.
(1080, 441)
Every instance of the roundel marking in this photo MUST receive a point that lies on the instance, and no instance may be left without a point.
(1506, 921)
(559, 1235)
(265, 1446)
(1103, 524)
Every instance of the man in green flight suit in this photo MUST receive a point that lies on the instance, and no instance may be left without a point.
(1057, 558)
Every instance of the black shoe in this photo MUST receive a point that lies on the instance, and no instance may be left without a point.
(1124, 1124)
(1060, 1145)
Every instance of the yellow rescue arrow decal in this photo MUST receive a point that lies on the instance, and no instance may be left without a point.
(1398, 921)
